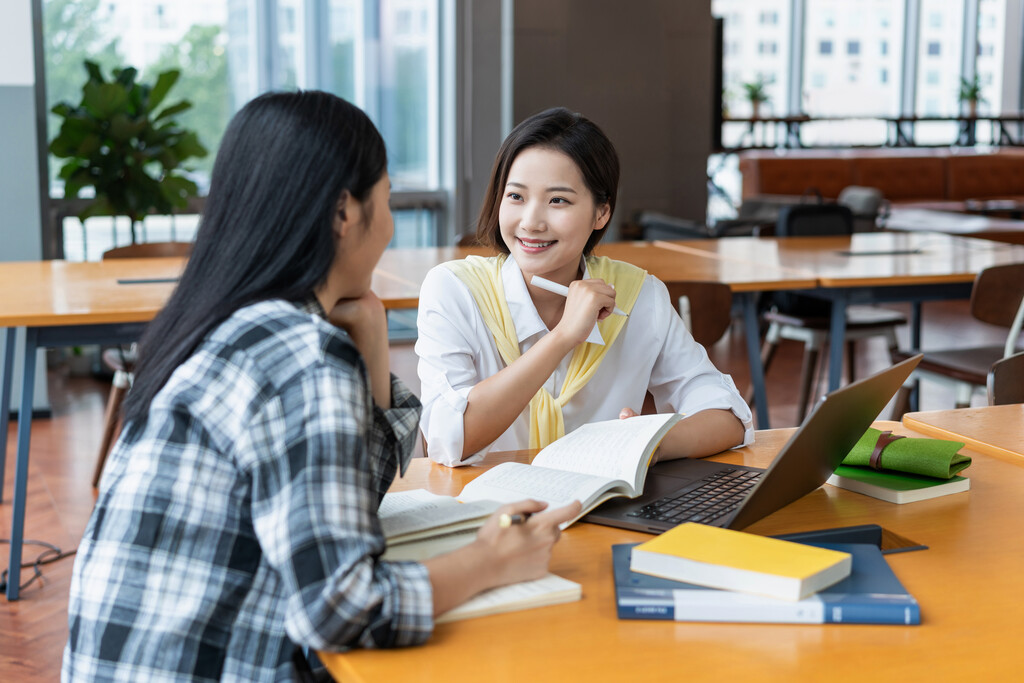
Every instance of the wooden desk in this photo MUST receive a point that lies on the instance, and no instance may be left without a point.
(966, 583)
(66, 304)
(993, 430)
(959, 224)
(883, 267)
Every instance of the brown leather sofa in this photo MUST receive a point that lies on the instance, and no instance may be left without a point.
(912, 176)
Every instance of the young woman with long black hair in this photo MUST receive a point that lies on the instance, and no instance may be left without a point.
(237, 517)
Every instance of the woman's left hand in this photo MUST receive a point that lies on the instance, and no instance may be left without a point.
(366, 322)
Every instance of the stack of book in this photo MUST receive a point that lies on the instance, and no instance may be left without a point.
(700, 573)
(895, 487)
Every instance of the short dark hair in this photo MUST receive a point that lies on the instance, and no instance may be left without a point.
(267, 227)
(565, 131)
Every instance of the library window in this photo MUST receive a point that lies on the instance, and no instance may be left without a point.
(825, 47)
(853, 47)
(934, 48)
(229, 51)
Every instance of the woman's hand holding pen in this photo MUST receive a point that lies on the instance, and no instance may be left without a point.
(501, 554)
(588, 302)
(521, 551)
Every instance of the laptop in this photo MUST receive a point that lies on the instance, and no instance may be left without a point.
(736, 496)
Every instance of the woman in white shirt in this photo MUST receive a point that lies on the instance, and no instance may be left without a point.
(505, 364)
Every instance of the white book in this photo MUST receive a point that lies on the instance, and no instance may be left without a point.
(548, 590)
(598, 461)
(418, 514)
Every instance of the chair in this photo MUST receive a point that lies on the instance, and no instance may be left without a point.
(706, 310)
(806, 319)
(705, 307)
(866, 204)
(659, 226)
(1006, 381)
(997, 298)
(122, 359)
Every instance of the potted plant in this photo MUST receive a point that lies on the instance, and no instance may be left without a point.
(970, 92)
(123, 143)
(756, 92)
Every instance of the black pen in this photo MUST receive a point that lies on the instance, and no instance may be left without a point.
(506, 520)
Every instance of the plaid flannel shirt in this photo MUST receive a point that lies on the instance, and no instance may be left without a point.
(239, 520)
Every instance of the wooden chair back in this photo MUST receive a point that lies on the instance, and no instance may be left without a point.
(1006, 381)
(150, 250)
(997, 294)
(710, 308)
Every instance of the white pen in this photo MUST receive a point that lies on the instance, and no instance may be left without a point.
(562, 290)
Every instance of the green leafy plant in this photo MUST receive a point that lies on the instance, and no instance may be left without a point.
(756, 91)
(123, 143)
(970, 90)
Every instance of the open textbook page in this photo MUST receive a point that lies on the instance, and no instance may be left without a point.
(596, 462)
(409, 515)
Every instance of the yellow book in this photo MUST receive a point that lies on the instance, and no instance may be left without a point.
(738, 561)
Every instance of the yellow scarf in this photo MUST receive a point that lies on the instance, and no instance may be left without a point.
(483, 277)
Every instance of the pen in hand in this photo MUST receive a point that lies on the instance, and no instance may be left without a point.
(506, 520)
(562, 290)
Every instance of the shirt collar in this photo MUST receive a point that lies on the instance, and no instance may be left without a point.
(520, 305)
(312, 306)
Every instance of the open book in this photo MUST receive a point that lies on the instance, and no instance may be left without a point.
(598, 461)
(407, 516)
(420, 525)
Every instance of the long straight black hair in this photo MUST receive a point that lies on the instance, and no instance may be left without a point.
(266, 231)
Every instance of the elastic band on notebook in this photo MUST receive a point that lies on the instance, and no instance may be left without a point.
(884, 439)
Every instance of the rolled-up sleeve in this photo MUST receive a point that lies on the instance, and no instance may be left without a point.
(683, 377)
(323, 453)
(447, 364)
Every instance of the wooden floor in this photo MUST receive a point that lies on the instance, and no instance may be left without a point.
(34, 629)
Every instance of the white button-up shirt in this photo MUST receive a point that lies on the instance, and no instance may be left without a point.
(653, 352)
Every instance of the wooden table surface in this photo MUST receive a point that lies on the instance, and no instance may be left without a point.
(51, 293)
(742, 270)
(954, 223)
(47, 293)
(967, 583)
(994, 430)
(864, 259)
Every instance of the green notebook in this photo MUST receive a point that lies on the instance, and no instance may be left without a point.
(895, 487)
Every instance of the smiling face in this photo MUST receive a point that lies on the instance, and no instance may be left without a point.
(547, 214)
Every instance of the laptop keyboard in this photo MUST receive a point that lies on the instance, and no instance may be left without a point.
(716, 495)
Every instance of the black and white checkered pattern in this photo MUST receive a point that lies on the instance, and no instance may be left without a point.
(239, 520)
